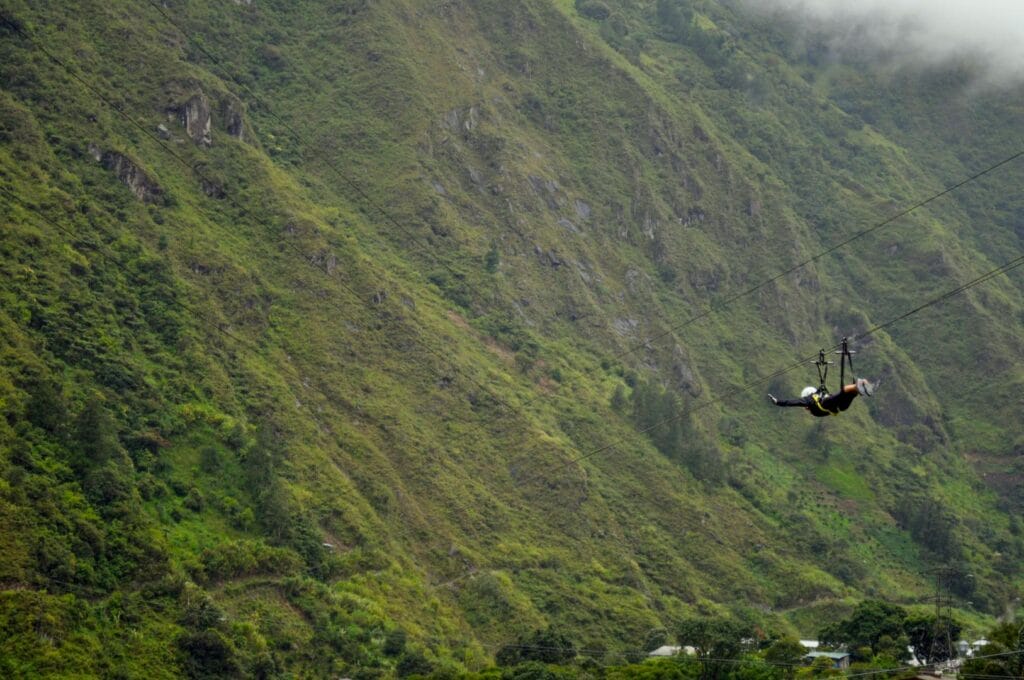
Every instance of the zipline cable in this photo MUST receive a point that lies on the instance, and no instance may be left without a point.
(736, 391)
(715, 306)
(733, 298)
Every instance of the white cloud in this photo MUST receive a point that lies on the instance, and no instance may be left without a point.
(923, 32)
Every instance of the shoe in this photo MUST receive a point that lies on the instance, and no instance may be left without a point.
(865, 388)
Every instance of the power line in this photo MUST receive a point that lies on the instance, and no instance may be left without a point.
(720, 304)
(910, 668)
(728, 301)
(736, 391)
(712, 309)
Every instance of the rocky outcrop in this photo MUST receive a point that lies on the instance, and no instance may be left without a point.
(212, 188)
(462, 121)
(232, 115)
(199, 114)
(130, 174)
(194, 116)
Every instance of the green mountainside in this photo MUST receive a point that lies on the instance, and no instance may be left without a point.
(363, 337)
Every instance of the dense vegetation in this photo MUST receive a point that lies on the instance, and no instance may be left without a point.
(391, 338)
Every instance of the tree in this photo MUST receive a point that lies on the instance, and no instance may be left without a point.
(821, 668)
(208, 654)
(715, 640)
(786, 653)
(674, 18)
(492, 259)
(394, 642)
(413, 663)
(545, 645)
(1004, 640)
(874, 626)
(95, 437)
(618, 401)
(593, 9)
(921, 630)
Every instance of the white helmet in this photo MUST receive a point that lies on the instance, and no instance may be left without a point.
(808, 391)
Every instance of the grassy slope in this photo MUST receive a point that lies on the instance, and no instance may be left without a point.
(286, 367)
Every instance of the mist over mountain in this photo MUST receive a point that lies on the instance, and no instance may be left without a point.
(910, 33)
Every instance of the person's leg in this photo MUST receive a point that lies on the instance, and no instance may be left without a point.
(842, 400)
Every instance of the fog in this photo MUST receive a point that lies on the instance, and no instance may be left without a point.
(917, 33)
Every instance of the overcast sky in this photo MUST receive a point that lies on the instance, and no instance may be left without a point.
(921, 31)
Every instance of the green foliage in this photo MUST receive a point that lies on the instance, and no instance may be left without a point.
(716, 641)
(1004, 653)
(875, 626)
(665, 418)
(413, 663)
(95, 437)
(786, 653)
(547, 645)
(930, 637)
(492, 259)
(593, 9)
(342, 424)
(207, 654)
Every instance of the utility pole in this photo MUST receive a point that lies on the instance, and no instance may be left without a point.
(942, 641)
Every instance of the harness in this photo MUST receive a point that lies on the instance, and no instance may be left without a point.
(846, 357)
(817, 405)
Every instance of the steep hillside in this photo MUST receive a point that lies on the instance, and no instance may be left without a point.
(348, 336)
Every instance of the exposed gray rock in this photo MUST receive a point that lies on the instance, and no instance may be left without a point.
(546, 189)
(231, 112)
(451, 120)
(582, 209)
(133, 176)
(637, 282)
(458, 121)
(439, 188)
(325, 260)
(162, 130)
(568, 226)
(625, 326)
(584, 271)
(472, 119)
(548, 257)
(694, 215)
(650, 225)
(212, 189)
(684, 375)
(194, 116)
(95, 152)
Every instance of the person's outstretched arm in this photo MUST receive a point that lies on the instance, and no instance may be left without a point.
(788, 402)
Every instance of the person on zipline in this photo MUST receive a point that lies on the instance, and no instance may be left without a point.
(818, 401)
(824, 404)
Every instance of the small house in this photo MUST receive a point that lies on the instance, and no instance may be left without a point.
(840, 660)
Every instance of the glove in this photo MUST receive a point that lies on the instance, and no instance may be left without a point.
(774, 400)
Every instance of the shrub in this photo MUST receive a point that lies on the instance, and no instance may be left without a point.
(592, 9)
